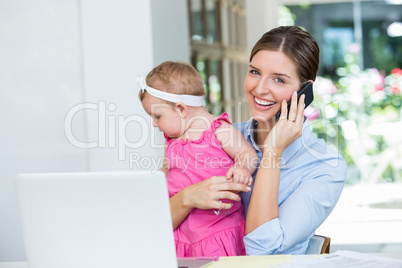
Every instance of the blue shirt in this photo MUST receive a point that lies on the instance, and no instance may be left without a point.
(312, 177)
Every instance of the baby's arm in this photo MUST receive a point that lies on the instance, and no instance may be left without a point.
(243, 154)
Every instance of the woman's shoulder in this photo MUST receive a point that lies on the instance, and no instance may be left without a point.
(315, 155)
(319, 149)
(323, 161)
(244, 127)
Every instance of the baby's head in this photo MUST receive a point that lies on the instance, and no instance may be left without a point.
(166, 94)
(175, 77)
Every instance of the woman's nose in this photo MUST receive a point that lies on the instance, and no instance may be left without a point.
(154, 124)
(262, 87)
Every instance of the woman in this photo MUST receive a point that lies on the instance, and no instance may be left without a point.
(299, 178)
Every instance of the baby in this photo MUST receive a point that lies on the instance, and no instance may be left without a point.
(199, 145)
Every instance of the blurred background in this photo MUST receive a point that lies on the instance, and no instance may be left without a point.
(69, 101)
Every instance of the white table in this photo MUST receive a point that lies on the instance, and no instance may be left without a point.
(295, 258)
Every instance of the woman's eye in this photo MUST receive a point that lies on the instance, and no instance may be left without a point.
(279, 80)
(254, 72)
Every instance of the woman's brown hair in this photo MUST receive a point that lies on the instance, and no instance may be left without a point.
(295, 43)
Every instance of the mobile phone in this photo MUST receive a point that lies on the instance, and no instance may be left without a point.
(307, 90)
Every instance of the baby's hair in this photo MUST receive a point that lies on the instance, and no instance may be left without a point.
(175, 77)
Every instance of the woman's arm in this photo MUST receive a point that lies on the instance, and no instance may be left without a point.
(204, 195)
(303, 211)
(313, 181)
(178, 209)
(263, 205)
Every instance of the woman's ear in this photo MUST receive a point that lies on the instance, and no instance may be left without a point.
(182, 109)
(311, 81)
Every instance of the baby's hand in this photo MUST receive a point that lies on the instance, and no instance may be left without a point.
(240, 175)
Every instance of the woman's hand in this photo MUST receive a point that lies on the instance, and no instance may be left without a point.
(288, 128)
(204, 195)
(207, 193)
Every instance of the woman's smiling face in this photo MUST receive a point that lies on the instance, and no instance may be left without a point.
(271, 78)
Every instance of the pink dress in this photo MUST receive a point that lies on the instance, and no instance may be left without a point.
(203, 232)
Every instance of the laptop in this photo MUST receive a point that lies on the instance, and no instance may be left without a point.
(97, 219)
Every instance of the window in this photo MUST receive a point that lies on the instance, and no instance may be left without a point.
(359, 84)
(219, 53)
(371, 25)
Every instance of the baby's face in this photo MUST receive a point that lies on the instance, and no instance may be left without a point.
(164, 116)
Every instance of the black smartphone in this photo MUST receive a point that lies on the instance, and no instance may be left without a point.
(307, 90)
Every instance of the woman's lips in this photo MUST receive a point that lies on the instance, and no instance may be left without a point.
(263, 104)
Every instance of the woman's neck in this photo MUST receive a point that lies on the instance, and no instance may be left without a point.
(262, 130)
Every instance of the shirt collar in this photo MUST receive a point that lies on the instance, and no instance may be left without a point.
(249, 133)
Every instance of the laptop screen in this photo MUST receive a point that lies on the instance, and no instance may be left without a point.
(96, 219)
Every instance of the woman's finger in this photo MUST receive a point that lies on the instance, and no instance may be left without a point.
(227, 195)
(293, 107)
(231, 186)
(284, 110)
(300, 111)
(221, 205)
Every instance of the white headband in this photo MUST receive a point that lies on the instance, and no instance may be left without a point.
(186, 99)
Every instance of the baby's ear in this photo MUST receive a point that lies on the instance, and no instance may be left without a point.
(182, 109)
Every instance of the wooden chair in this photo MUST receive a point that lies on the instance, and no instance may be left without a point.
(318, 244)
